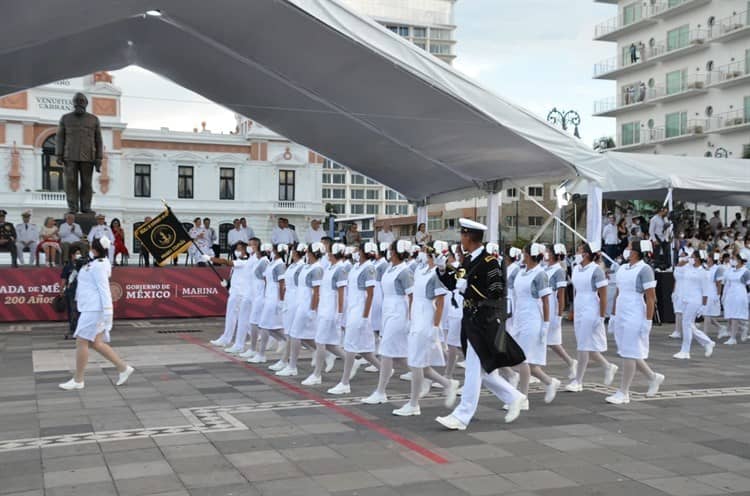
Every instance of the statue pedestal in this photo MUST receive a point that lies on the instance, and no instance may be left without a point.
(86, 221)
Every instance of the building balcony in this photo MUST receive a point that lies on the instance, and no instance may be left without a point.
(47, 199)
(613, 68)
(733, 27)
(628, 101)
(294, 205)
(731, 122)
(729, 75)
(693, 129)
(689, 86)
(612, 29)
(690, 42)
(670, 8)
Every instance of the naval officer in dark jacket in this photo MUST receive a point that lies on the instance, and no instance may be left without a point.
(482, 283)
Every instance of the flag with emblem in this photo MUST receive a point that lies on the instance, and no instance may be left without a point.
(163, 237)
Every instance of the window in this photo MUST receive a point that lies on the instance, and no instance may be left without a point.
(678, 38)
(450, 224)
(333, 178)
(509, 220)
(630, 134)
(391, 195)
(357, 194)
(184, 181)
(399, 30)
(338, 208)
(226, 183)
(365, 225)
(676, 124)
(747, 109)
(536, 191)
(224, 229)
(421, 44)
(338, 193)
(536, 221)
(370, 182)
(440, 49)
(286, 185)
(330, 164)
(676, 81)
(373, 194)
(434, 223)
(391, 209)
(52, 174)
(326, 193)
(511, 193)
(357, 209)
(358, 179)
(371, 209)
(631, 13)
(403, 209)
(440, 34)
(142, 181)
(136, 242)
(419, 32)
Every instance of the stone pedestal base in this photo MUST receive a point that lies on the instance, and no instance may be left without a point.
(86, 221)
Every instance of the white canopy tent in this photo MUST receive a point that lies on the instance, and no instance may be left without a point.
(315, 72)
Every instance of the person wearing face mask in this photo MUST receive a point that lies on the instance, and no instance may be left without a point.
(256, 291)
(271, 322)
(695, 291)
(558, 282)
(713, 308)
(291, 283)
(590, 309)
(454, 308)
(735, 298)
(68, 285)
(677, 300)
(376, 314)
(632, 319)
(358, 336)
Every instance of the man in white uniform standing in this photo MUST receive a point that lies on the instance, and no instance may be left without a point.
(315, 233)
(101, 229)
(27, 236)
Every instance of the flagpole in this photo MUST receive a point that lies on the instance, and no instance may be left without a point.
(211, 265)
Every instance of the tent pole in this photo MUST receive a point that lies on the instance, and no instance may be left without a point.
(552, 217)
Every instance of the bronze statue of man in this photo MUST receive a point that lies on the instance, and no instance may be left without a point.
(79, 148)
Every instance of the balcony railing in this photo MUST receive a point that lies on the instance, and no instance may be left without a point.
(692, 127)
(727, 73)
(667, 7)
(48, 196)
(733, 23)
(292, 205)
(694, 37)
(637, 95)
(726, 121)
(621, 21)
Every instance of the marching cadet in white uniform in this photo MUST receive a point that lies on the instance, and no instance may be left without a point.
(270, 322)
(381, 265)
(694, 291)
(515, 254)
(735, 299)
(632, 320)
(358, 336)
(257, 293)
(398, 286)
(590, 309)
(291, 278)
(423, 342)
(246, 306)
(454, 307)
(94, 300)
(677, 300)
(330, 313)
(309, 278)
(713, 307)
(99, 230)
(532, 321)
(237, 289)
(558, 282)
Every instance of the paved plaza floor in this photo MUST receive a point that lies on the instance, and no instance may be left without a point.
(194, 421)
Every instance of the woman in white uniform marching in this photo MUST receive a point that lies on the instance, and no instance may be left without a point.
(94, 300)
(270, 322)
(454, 307)
(376, 314)
(303, 327)
(330, 316)
(423, 342)
(713, 307)
(531, 322)
(237, 290)
(558, 282)
(632, 320)
(735, 299)
(398, 285)
(677, 300)
(358, 336)
(290, 300)
(248, 300)
(257, 291)
(515, 254)
(695, 289)
(590, 309)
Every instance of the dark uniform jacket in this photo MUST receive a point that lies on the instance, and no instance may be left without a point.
(485, 312)
(7, 231)
(79, 138)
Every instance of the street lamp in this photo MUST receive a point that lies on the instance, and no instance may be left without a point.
(564, 119)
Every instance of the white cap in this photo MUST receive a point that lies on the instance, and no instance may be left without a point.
(646, 246)
(349, 250)
(414, 249)
(493, 248)
(559, 249)
(403, 246)
(537, 249)
(744, 254)
(717, 257)
(318, 247)
(440, 247)
(596, 246)
(371, 248)
(338, 249)
(267, 247)
(384, 246)
(282, 248)
(301, 247)
(470, 225)
(703, 254)
(515, 252)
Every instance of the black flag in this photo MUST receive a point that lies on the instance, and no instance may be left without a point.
(163, 237)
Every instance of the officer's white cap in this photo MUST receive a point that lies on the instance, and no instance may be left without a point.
(470, 225)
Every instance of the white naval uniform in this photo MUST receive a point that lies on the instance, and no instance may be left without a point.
(735, 299)
(713, 307)
(424, 346)
(376, 312)
(587, 322)
(271, 316)
(630, 321)
(530, 286)
(398, 282)
(257, 289)
(678, 303)
(27, 233)
(557, 280)
(694, 284)
(328, 329)
(358, 335)
(94, 301)
(98, 231)
(237, 289)
(291, 280)
(304, 324)
(247, 301)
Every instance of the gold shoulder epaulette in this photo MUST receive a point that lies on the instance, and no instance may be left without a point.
(489, 258)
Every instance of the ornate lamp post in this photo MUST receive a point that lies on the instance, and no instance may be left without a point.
(564, 119)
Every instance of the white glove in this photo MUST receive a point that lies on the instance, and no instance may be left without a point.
(440, 262)
(461, 285)
(108, 318)
(543, 333)
(646, 329)
(339, 320)
(611, 326)
(204, 258)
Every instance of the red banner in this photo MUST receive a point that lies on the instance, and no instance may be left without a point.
(137, 293)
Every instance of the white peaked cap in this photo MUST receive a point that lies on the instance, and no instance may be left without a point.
(515, 252)
(537, 249)
(371, 248)
(596, 246)
(266, 247)
(646, 246)
(440, 246)
(282, 248)
(384, 246)
(318, 247)
(559, 249)
(338, 248)
(403, 245)
(471, 225)
(301, 247)
(493, 248)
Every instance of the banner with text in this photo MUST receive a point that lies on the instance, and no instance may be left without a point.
(137, 293)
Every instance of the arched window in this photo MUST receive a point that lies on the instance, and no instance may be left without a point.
(52, 174)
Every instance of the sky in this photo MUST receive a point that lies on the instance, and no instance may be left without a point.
(538, 54)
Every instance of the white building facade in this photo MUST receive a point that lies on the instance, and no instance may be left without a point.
(682, 71)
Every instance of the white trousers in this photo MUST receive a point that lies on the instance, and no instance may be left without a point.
(689, 330)
(474, 378)
(32, 252)
(243, 323)
(230, 320)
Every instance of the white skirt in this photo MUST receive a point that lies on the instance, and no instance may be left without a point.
(358, 338)
(270, 317)
(631, 343)
(303, 327)
(91, 324)
(327, 331)
(257, 311)
(424, 347)
(554, 336)
(713, 307)
(677, 303)
(393, 335)
(453, 337)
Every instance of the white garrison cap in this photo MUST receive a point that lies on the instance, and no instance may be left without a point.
(493, 248)
(515, 252)
(470, 225)
(371, 248)
(440, 246)
(301, 247)
(349, 250)
(282, 248)
(267, 247)
(744, 254)
(559, 249)
(403, 246)
(646, 246)
(338, 248)
(104, 241)
(318, 247)
(537, 249)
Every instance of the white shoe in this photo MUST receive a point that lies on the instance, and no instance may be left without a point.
(450, 393)
(280, 365)
(330, 361)
(233, 350)
(426, 386)
(619, 398)
(257, 358)
(340, 389)
(524, 405)
(609, 374)
(372, 369)
(534, 380)
(574, 386)
(676, 335)
(730, 342)
(375, 399)
(723, 333)
(287, 372)
(573, 370)
(405, 377)
(461, 364)
(550, 390)
(514, 379)
(123, 377)
(437, 385)
(313, 380)
(247, 354)
(451, 422)
(355, 367)
(219, 342)
(71, 385)
(681, 355)
(514, 409)
(709, 349)
(407, 411)
(654, 385)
